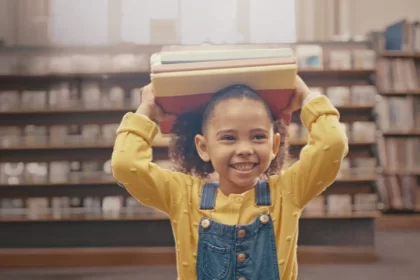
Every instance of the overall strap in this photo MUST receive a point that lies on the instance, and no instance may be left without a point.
(262, 193)
(208, 196)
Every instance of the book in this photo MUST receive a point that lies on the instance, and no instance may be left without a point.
(310, 56)
(184, 81)
(340, 59)
(159, 68)
(190, 56)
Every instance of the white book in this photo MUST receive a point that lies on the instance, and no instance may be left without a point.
(218, 55)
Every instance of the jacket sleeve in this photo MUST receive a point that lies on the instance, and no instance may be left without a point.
(132, 166)
(319, 160)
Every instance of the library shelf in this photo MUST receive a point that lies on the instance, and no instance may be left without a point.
(147, 239)
(413, 172)
(337, 72)
(62, 218)
(64, 110)
(71, 76)
(86, 110)
(402, 132)
(161, 143)
(350, 241)
(157, 256)
(406, 220)
(90, 182)
(399, 129)
(126, 216)
(399, 93)
(352, 144)
(399, 54)
(73, 153)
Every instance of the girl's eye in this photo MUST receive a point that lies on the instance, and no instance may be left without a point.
(228, 138)
(260, 136)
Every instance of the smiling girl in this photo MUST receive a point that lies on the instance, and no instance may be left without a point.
(244, 226)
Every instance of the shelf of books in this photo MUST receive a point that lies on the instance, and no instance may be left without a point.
(398, 82)
(59, 111)
(343, 72)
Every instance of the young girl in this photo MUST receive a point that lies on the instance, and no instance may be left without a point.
(241, 227)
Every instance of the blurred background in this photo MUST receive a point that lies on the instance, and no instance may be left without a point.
(69, 71)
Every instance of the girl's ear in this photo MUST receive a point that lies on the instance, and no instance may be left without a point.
(201, 146)
(276, 144)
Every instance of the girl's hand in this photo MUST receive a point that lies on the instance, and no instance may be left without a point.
(148, 107)
(302, 91)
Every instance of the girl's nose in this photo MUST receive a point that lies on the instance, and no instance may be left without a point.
(244, 149)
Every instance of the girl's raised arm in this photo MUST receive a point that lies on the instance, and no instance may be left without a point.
(321, 158)
(132, 164)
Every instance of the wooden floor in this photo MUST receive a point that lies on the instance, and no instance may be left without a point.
(399, 251)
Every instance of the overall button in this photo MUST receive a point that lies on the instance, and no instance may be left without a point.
(205, 223)
(264, 219)
(241, 233)
(241, 257)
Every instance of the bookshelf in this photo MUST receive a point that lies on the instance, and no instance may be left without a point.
(398, 82)
(58, 115)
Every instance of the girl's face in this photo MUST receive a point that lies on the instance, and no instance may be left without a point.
(240, 143)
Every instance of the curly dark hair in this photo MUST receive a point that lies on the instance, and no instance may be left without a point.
(182, 149)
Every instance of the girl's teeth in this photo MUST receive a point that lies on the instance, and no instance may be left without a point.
(244, 166)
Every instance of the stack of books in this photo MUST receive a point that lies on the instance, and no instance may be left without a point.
(184, 81)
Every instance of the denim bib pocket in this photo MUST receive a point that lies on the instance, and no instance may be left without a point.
(216, 260)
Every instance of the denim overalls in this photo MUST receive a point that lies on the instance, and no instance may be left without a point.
(238, 252)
